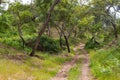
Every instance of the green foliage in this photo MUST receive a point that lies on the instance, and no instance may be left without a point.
(74, 41)
(12, 42)
(43, 3)
(49, 44)
(11, 38)
(105, 64)
(46, 44)
(91, 44)
(25, 15)
(5, 22)
(29, 29)
(86, 21)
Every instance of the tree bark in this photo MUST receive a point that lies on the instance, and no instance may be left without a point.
(20, 35)
(19, 29)
(44, 27)
(49, 32)
(65, 37)
(70, 32)
(115, 30)
(113, 23)
(60, 36)
(67, 44)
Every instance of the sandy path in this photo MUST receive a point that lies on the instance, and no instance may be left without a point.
(62, 74)
(85, 75)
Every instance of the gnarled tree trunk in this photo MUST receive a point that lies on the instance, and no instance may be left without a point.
(44, 27)
(20, 35)
(115, 30)
(65, 37)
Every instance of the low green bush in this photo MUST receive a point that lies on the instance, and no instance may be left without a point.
(105, 64)
(74, 41)
(91, 44)
(14, 42)
(49, 44)
(46, 44)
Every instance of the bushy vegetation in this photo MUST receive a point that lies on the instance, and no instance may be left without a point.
(74, 41)
(92, 44)
(12, 39)
(46, 44)
(105, 63)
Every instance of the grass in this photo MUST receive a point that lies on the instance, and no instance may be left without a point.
(105, 63)
(13, 67)
(75, 71)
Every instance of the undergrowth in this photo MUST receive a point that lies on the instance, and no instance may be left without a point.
(75, 71)
(18, 66)
(105, 63)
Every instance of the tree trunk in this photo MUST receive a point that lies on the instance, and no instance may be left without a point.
(113, 23)
(49, 32)
(60, 36)
(44, 27)
(67, 44)
(66, 39)
(20, 35)
(70, 32)
(61, 41)
(115, 30)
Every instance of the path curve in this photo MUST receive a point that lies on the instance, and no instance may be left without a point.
(62, 74)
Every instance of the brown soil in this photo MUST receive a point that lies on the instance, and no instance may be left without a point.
(85, 75)
(16, 57)
(62, 74)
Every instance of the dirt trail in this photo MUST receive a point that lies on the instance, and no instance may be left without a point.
(85, 75)
(62, 74)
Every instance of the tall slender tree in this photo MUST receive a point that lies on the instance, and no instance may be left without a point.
(44, 26)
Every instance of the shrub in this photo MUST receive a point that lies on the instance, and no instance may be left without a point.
(105, 64)
(46, 44)
(74, 41)
(91, 44)
(14, 42)
(49, 44)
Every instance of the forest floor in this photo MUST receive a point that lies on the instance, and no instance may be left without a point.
(85, 70)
